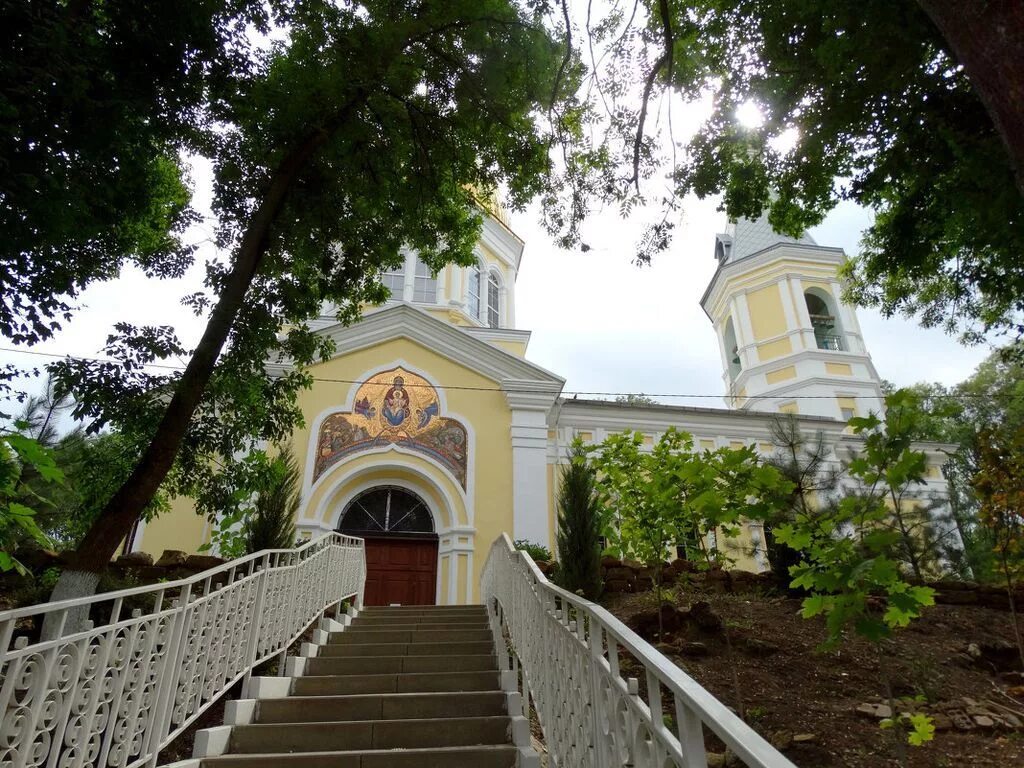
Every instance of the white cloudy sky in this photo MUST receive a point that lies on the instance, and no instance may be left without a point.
(597, 319)
(608, 325)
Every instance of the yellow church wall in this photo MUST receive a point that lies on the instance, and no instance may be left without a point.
(485, 414)
(839, 369)
(781, 374)
(766, 316)
(516, 348)
(178, 528)
(739, 549)
(774, 349)
(462, 561)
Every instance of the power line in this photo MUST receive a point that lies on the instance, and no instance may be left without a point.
(469, 388)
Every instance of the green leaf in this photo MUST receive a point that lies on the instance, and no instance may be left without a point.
(922, 730)
(31, 452)
(814, 606)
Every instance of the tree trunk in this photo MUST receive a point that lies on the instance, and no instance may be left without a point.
(128, 502)
(987, 37)
(71, 584)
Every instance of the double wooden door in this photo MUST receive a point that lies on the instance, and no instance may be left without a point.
(400, 570)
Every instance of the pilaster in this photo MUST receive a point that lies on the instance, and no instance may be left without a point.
(530, 403)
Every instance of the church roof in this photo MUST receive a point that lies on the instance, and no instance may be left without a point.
(746, 237)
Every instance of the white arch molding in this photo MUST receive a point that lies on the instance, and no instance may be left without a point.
(345, 487)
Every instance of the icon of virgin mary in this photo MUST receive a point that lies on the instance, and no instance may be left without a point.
(396, 403)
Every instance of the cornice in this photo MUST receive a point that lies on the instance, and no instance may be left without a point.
(617, 416)
(406, 321)
(502, 241)
(824, 355)
(793, 386)
(498, 334)
(801, 252)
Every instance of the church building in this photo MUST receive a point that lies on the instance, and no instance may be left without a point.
(429, 433)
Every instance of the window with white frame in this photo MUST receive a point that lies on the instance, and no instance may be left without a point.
(473, 292)
(394, 281)
(493, 301)
(424, 288)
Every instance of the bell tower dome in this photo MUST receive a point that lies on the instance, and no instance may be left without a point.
(788, 342)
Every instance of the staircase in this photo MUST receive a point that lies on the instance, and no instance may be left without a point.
(399, 687)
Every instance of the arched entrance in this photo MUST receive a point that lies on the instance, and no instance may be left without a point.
(401, 545)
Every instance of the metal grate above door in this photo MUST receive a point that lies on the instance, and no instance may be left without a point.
(386, 510)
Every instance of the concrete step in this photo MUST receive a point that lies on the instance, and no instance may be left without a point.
(376, 665)
(409, 624)
(436, 609)
(426, 610)
(476, 626)
(496, 756)
(391, 706)
(410, 636)
(415, 682)
(370, 734)
(349, 650)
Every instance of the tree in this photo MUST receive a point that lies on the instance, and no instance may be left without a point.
(991, 399)
(642, 498)
(907, 108)
(676, 496)
(890, 480)
(579, 526)
(98, 99)
(635, 399)
(813, 476)
(17, 519)
(1000, 487)
(272, 522)
(365, 132)
(857, 552)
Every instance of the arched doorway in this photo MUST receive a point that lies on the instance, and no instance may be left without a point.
(401, 545)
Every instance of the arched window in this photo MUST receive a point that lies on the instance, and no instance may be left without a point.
(424, 288)
(828, 334)
(493, 300)
(386, 510)
(394, 281)
(473, 292)
(732, 351)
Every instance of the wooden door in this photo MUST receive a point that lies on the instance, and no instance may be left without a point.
(400, 570)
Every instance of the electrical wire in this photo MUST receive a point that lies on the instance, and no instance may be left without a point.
(469, 388)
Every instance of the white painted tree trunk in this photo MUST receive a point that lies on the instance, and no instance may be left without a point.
(70, 585)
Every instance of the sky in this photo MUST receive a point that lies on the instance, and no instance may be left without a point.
(597, 319)
(606, 324)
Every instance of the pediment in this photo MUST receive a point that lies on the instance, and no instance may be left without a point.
(404, 321)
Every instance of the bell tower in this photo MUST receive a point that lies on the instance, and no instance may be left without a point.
(788, 342)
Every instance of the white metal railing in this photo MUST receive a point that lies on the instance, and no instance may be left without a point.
(152, 659)
(567, 655)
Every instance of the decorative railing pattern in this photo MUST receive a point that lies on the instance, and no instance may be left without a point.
(566, 654)
(152, 659)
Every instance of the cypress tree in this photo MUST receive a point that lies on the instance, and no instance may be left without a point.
(579, 526)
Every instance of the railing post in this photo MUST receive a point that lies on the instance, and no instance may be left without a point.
(596, 638)
(252, 650)
(169, 685)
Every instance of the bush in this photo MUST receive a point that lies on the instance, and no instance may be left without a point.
(538, 552)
